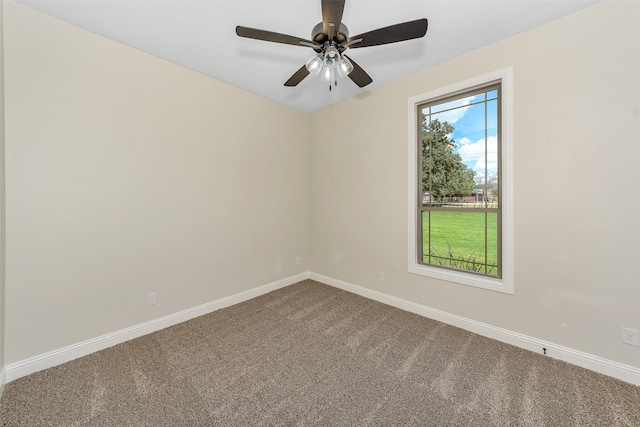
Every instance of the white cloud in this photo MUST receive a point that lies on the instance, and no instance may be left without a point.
(451, 116)
(474, 153)
(460, 108)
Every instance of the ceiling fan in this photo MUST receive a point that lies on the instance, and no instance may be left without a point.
(330, 39)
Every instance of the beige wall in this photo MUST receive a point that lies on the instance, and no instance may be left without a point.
(126, 175)
(576, 175)
(2, 210)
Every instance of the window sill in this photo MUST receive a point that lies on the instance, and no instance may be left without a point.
(497, 285)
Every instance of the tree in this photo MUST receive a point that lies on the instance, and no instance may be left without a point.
(443, 173)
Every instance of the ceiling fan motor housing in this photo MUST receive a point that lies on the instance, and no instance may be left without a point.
(318, 35)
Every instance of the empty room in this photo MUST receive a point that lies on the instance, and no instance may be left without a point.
(319, 212)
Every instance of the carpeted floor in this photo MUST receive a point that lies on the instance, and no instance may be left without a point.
(310, 354)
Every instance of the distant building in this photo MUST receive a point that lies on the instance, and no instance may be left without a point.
(477, 195)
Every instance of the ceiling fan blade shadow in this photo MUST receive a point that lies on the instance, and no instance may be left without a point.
(332, 16)
(358, 75)
(391, 34)
(297, 77)
(270, 36)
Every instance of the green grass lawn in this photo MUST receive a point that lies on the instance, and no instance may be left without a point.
(458, 240)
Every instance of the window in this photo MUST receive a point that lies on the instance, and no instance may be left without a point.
(460, 200)
(459, 174)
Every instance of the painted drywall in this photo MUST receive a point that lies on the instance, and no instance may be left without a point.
(2, 210)
(577, 239)
(126, 175)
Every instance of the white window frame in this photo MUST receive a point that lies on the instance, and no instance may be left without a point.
(504, 284)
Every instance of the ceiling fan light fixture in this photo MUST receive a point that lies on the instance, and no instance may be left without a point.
(331, 54)
(314, 64)
(344, 66)
(328, 74)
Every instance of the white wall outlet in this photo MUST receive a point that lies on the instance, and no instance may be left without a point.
(298, 261)
(381, 276)
(631, 336)
(152, 298)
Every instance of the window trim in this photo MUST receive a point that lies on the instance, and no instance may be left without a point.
(505, 284)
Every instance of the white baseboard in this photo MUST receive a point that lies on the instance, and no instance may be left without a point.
(604, 366)
(28, 366)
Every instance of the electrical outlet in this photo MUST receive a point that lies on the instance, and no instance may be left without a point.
(381, 276)
(631, 336)
(298, 261)
(152, 298)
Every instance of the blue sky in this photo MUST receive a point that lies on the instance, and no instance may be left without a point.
(467, 115)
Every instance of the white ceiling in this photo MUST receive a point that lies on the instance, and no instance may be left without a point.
(200, 35)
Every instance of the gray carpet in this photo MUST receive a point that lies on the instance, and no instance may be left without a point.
(309, 354)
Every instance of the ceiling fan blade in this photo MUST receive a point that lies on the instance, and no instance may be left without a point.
(270, 36)
(358, 75)
(391, 34)
(332, 16)
(297, 77)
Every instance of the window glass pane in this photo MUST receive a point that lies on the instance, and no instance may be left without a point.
(465, 241)
(459, 180)
(470, 127)
(491, 178)
(456, 103)
(492, 118)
